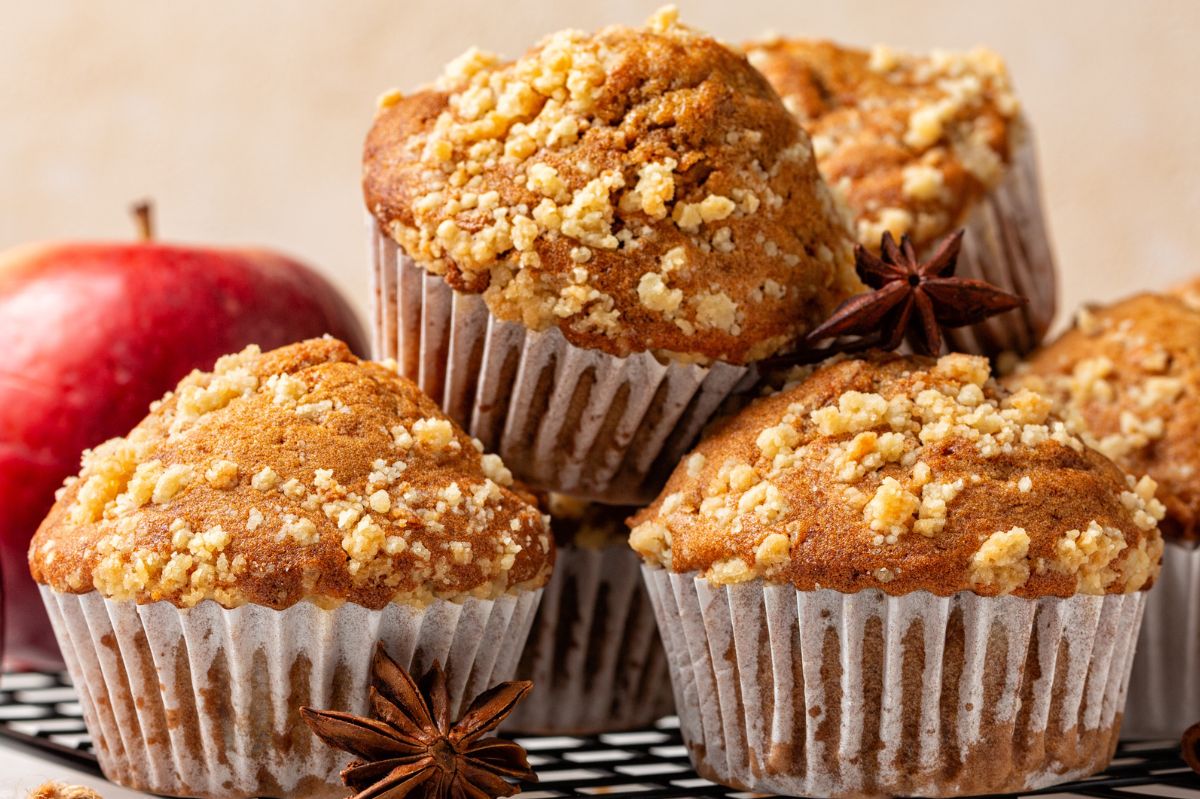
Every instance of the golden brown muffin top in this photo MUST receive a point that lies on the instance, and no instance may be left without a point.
(904, 474)
(640, 189)
(587, 525)
(1129, 374)
(910, 142)
(300, 473)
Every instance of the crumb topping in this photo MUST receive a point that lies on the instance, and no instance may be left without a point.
(1128, 376)
(640, 189)
(301, 473)
(909, 142)
(905, 474)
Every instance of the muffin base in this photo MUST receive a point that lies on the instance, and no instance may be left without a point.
(204, 701)
(820, 693)
(594, 653)
(1007, 243)
(562, 417)
(1163, 699)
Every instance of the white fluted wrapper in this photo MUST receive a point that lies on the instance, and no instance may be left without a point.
(594, 653)
(562, 417)
(1007, 243)
(205, 701)
(1164, 695)
(818, 693)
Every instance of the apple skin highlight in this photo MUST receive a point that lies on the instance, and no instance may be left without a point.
(92, 334)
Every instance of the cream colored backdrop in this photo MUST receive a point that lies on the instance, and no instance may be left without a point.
(243, 120)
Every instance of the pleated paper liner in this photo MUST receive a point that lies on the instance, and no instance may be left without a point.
(204, 701)
(864, 695)
(593, 654)
(564, 418)
(1007, 243)
(1164, 693)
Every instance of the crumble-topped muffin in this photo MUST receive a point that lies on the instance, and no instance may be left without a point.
(905, 474)
(639, 189)
(1129, 374)
(301, 473)
(910, 142)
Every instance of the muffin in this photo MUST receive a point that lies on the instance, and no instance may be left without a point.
(922, 145)
(581, 252)
(593, 653)
(1129, 376)
(895, 578)
(240, 552)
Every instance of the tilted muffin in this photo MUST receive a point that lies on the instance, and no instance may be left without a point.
(887, 558)
(593, 652)
(1129, 375)
(634, 203)
(239, 553)
(922, 145)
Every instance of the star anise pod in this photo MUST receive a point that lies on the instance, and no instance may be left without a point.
(910, 298)
(1191, 747)
(411, 749)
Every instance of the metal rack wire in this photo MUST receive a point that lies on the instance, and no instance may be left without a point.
(40, 709)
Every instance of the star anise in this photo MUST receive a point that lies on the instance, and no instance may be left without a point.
(1191, 747)
(411, 749)
(910, 298)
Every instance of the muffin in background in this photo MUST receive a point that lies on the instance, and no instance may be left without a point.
(580, 253)
(896, 578)
(593, 653)
(922, 145)
(1128, 374)
(240, 552)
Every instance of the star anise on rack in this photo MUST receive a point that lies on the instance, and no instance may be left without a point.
(1191, 747)
(411, 749)
(910, 298)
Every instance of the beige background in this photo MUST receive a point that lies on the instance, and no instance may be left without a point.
(243, 120)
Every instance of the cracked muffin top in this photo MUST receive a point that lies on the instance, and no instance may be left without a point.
(1129, 375)
(909, 142)
(638, 189)
(904, 474)
(300, 473)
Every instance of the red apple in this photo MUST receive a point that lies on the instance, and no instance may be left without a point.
(92, 334)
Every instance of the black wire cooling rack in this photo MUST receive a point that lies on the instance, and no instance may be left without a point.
(41, 709)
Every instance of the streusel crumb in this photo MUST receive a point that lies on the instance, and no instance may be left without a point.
(905, 474)
(302, 473)
(640, 189)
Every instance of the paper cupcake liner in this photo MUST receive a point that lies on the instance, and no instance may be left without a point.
(1164, 697)
(204, 701)
(1008, 244)
(594, 653)
(563, 418)
(820, 693)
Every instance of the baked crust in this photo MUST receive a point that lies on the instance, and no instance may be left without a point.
(909, 142)
(640, 189)
(904, 474)
(300, 473)
(1129, 374)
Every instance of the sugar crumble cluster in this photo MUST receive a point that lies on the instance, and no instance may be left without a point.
(891, 473)
(266, 480)
(637, 188)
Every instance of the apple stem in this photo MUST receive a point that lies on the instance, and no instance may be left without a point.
(143, 216)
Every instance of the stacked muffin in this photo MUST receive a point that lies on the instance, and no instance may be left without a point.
(1129, 377)
(922, 145)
